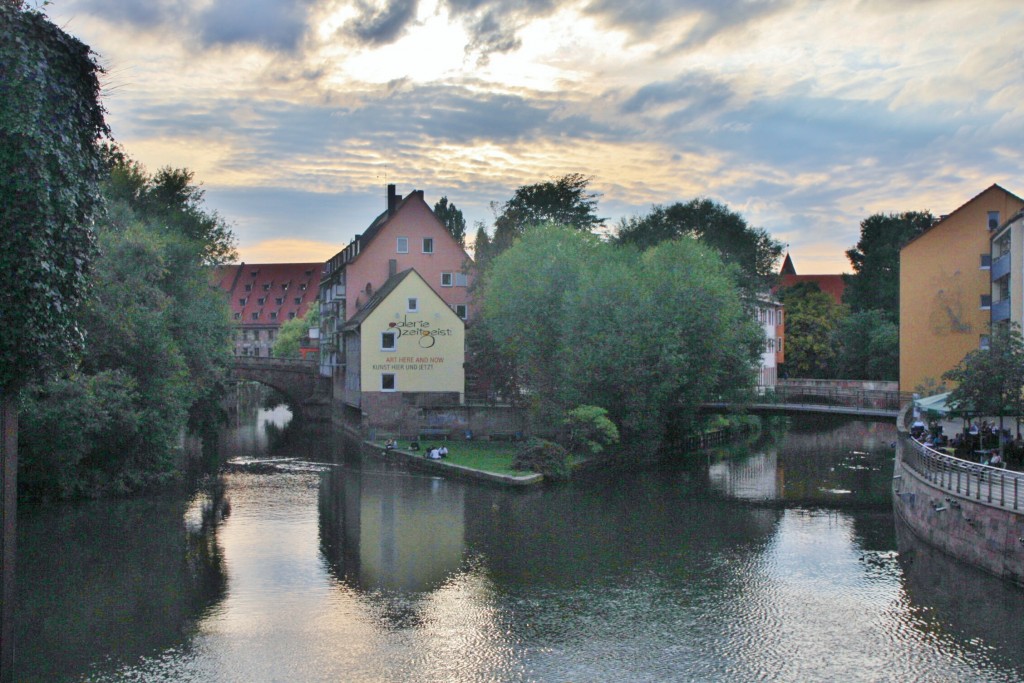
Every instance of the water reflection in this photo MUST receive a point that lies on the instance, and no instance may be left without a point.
(386, 529)
(340, 567)
(114, 580)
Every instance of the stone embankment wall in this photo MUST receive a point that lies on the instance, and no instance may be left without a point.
(972, 530)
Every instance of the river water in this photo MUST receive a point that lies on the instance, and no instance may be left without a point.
(782, 565)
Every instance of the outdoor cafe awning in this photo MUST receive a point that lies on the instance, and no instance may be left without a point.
(937, 404)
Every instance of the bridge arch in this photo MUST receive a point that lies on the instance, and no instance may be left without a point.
(295, 379)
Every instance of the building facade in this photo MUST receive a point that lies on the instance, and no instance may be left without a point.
(407, 235)
(770, 315)
(405, 349)
(263, 296)
(946, 288)
(1007, 271)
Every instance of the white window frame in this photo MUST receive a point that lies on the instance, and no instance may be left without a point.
(394, 341)
(402, 245)
(394, 381)
(447, 280)
(412, 305)
(465, 310)
(428, 242)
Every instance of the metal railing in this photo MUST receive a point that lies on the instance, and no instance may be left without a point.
(992, 485)
(865, 399)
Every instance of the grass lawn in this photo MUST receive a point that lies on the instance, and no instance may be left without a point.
(487, 456)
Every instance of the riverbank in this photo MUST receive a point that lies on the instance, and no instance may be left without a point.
(417, 460)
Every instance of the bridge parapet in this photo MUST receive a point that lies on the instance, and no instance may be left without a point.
(297, 379)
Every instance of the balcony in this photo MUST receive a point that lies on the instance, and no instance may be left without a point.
(1001, 310)
(1000, 267)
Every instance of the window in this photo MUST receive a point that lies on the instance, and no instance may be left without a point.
(428, 245)
(241, 302)
(986, 302)
(403, 245)
(983, 343)
(388, 341)
(284, 287)
(266, 287)
(248, 288)
(291, 315)
(446, 279)
(298, 300)
(986, 261)
(461, 310)
(256, 315)
(993, 220)
(279, 300)
(414, 305)
(238, 316)
(302, 287)
(273, 315)
(387, 381)
(262, 300)
(461, 280)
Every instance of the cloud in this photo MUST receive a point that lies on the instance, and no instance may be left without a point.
(269, 23)
(493, 25)
(377, 25)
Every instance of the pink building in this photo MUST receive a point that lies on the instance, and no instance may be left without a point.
(407, 235)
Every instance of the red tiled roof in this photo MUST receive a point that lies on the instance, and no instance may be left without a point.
(286, 290)
(832, 285)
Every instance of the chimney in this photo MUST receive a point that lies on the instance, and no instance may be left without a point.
(392, 199)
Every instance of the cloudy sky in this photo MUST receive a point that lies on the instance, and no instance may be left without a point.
(805, 116)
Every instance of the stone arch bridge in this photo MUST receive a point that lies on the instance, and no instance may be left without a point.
(298, 380)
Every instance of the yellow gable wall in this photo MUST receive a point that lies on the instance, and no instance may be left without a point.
(941, 283)
(430, 346)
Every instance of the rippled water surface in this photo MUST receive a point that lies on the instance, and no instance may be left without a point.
(321, 565)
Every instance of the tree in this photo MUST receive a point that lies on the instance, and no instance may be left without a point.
(753, 250)
(452, 218)
(571, 348)
(875, 283)
(564, 201)
(157, 354)
(991, 381)
(867, 345)
(290, 336)
(51, 122)
(811, 320)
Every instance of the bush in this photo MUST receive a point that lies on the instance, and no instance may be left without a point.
(544, 457)
(590, 428)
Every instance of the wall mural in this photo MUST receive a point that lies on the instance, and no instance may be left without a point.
(947, 311)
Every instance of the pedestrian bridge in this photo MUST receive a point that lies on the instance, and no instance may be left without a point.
(824, 399)
(298, 380)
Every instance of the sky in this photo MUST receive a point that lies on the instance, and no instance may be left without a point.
(805, 116)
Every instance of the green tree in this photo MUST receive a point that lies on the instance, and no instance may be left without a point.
(290, 336)
(157, 327)
(452, 219)
(753, 250)
(875, 283)
(571, 347)
(991, 381)
(51, 123)
(811, 321)
(867, 346)
(564, 201)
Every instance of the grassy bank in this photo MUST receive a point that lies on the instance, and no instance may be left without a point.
(486, 456)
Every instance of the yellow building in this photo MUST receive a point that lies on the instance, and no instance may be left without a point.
(945, 288)
(405, 349)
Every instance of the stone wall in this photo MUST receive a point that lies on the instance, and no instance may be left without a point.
(969, 529)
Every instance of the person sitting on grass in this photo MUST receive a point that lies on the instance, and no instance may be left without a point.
(443, 451)
(389, 444)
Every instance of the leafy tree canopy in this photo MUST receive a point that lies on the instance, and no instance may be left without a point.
(991, 381)
(572, 348)
(811, 321)
(875, 283)
(293, 332)
(867, 346)
(452, 218)
(564, 201)
(51, 123)
(753, 250)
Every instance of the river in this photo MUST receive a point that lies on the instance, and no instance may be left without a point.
(782, 565)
